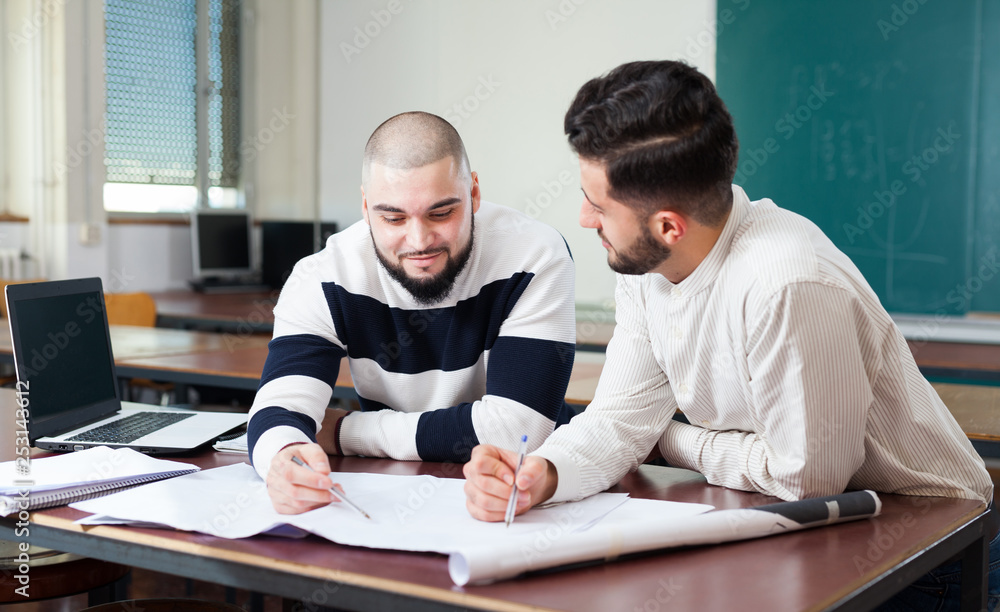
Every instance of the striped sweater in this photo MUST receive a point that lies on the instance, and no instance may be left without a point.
(795, 380)
(488, 364)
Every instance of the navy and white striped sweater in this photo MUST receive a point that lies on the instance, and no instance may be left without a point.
(489, 363)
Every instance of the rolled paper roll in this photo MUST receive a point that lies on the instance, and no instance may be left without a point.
(607, 540)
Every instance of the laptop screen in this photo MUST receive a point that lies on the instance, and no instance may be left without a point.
(61, 346)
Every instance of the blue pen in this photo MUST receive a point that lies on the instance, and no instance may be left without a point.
(512, 502)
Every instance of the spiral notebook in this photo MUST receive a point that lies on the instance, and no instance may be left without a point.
(62, 479)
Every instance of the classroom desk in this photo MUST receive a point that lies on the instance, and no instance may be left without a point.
(132, 342)
(852, 566)
(957, 361)
(240, 313)
(239, 368)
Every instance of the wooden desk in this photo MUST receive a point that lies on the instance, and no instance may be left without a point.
(587, 366)
(131, 342)
(852, 566)
(593, 335)
(239, 368)
(957, 361)
(239, 313)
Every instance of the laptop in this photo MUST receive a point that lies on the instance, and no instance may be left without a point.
(66, 370)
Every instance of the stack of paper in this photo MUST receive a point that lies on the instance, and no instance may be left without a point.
(238, 445)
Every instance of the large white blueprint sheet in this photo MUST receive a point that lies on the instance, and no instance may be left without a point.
(415, 513)
(424, 513)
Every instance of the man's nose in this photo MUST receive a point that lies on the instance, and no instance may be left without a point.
(588, 216)
(419, 235)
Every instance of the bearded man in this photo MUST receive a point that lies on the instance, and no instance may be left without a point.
(455, 315)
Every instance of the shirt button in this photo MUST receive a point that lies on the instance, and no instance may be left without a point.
(676, 332)
(706, 424)
(677, 292)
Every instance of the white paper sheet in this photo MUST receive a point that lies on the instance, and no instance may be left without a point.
(416, 513)
(238, 445)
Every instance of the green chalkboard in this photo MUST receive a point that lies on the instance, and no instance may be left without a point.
(880, 121)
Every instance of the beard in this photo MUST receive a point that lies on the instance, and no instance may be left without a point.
(640, 257)
(427, 291)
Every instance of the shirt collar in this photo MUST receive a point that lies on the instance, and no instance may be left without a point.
(706, 272)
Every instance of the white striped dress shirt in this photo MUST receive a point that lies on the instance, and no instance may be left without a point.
(796, 381)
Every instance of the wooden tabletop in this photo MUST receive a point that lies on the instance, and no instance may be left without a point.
(975, 407)
(957, 356)
(252, 306)
(132, 342)
(806, 570)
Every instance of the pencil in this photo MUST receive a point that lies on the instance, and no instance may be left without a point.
(337, 493)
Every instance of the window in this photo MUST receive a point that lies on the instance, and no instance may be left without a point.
(166, 147)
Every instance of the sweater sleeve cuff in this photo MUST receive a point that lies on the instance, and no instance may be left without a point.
(384, 433)
(272, 441)
(680, 445)
(568, 487)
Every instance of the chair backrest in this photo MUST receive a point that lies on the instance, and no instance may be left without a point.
(3, 288)
(131, 309)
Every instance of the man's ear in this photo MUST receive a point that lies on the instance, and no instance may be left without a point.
(668, 226)
(475, 193)
(364, 206)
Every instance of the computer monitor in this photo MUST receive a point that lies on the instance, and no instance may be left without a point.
(284, 243)
(326, 229)
(221, 243)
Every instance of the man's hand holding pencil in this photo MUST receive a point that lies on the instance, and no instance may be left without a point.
(299, 480)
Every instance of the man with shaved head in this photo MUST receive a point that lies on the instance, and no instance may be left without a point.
(455, 315)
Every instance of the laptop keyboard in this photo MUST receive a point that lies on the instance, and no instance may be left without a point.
(131, 427)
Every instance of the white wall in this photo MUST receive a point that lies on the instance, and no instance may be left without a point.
(511, 67)
(280, 99)
(148, 257)
(504, 74)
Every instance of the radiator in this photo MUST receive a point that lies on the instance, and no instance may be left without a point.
(10, 264)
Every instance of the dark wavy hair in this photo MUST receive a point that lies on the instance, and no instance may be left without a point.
(664, 136)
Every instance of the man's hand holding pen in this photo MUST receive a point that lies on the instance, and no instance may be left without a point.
(489, 477)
